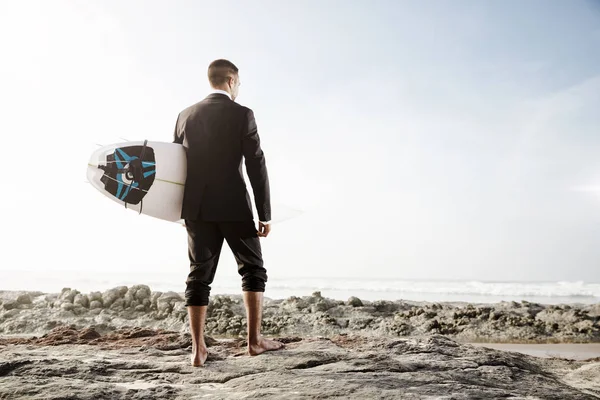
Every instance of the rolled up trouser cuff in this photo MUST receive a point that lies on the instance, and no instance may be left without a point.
(197, 294)
(196, 302)
(253, 284)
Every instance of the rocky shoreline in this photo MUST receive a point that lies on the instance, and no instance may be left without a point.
(133, 343)
(36, 313)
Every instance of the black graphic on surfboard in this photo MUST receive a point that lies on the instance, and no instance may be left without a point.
(129, 173)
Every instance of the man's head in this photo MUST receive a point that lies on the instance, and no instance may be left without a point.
(223, 74)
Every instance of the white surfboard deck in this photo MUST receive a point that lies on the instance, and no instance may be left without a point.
(160, 186)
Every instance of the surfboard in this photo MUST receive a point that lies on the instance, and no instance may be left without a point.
(144, 176)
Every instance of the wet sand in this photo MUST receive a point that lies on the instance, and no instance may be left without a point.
(569, 351)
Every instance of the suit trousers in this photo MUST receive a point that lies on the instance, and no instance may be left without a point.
(205, 241)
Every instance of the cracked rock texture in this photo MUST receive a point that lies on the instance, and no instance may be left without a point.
(140, 363)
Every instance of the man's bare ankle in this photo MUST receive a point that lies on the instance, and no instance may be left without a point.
(254, 340)
(201, 347)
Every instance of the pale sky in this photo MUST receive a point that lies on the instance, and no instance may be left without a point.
(421, 139)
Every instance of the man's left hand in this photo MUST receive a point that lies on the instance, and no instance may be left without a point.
(263, 229)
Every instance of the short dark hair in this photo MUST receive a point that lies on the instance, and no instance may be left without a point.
(220, 70)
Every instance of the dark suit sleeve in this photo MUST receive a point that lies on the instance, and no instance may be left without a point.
(176, 137)
(256, 168)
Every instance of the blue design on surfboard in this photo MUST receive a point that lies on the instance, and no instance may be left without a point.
(126, 176)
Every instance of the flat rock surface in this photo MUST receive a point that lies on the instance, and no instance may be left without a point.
(142, 363)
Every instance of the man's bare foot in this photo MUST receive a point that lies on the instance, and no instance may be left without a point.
(199, 357)
(263, 345)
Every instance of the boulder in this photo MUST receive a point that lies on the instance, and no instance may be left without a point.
(24, 299)
(166, 301)
(354, 302)
(95, 296)
(68, 295)
(95, 304)
(82, 300)
(10, 304)
(111, 295)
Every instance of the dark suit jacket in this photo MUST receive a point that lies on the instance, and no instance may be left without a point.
(218, 132)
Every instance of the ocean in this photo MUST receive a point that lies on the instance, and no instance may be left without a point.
(473, 291)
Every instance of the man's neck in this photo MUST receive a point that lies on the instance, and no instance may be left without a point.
(221, 91)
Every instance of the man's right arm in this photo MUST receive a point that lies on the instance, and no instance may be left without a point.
(256, 168)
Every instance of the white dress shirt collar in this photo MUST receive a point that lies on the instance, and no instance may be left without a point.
(221, 92)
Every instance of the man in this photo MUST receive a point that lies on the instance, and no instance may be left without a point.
(218, 133)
